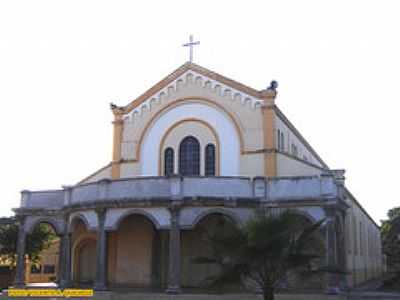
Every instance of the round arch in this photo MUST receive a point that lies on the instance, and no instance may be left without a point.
(139, 212)
(207, 125)
(225, 125)
(75, 218)
(53, 223)
(217, 211)
(194, 244)
(304, 214)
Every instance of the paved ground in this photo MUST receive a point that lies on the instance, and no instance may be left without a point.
(370, 290)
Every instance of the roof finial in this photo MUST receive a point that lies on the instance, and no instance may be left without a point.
(273, 86)
(271, 91)
(190, 45)
(116, 109)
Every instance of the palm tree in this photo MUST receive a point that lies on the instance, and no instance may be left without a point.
(264, 250)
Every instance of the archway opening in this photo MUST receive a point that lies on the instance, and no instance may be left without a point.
(135, 259)
(42, 247)
(83, 254)
(308, 277)
(195, 243)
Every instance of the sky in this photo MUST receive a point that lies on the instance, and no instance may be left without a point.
(63, 62)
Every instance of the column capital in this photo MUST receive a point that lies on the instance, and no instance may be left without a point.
(101, 212)
(65, 217)
(175, 207)
(20, 219)
(330, 212)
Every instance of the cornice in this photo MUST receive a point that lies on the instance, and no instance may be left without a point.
(156, 91)
(302, 160)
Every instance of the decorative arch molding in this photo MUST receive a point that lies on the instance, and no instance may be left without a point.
(313, 213)
(115, 218)
(207, 125)
(212, 211)
(78, 217)
(89, 218)
(187, 100)
(226, 128)
(190, 73)
(56, 223)
(304, 214)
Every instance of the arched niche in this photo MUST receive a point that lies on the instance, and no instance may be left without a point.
(195, 243)
(225, 128)
(134, 251)
(83, 251)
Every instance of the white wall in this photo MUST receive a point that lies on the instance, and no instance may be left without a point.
(290, 138)
(363, 246)
(230, 146)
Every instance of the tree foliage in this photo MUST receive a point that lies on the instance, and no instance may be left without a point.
(39, 240)
(264, 250)
(390, 231)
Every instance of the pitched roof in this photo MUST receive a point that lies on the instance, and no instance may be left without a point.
(181, 70)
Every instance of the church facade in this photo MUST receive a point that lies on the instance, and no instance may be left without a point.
(195, 150)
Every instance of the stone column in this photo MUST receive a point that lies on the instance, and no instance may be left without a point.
(65, 256)
(67, 259)
(174, 269)
(101, 255)
(20, 270)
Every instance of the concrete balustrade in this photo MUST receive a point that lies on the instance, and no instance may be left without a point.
(177, 187)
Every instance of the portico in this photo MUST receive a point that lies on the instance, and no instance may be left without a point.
(135, 232)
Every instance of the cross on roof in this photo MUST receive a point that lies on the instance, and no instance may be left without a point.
(190, 45)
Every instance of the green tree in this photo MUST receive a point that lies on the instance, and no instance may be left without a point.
(39, 240)
(264, 250)
(390, 231)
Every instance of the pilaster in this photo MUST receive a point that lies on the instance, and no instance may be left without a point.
(118, 125)
(270, 160)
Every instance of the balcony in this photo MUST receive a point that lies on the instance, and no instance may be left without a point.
(324, 187)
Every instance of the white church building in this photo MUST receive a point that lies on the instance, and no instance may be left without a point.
(194, 147)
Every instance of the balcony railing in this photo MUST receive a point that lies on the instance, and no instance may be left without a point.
(176, 187)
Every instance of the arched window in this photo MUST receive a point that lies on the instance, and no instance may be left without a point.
(168, 161)
(210, 160)
(189, 157)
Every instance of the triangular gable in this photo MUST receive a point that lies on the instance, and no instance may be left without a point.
(181, 71)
